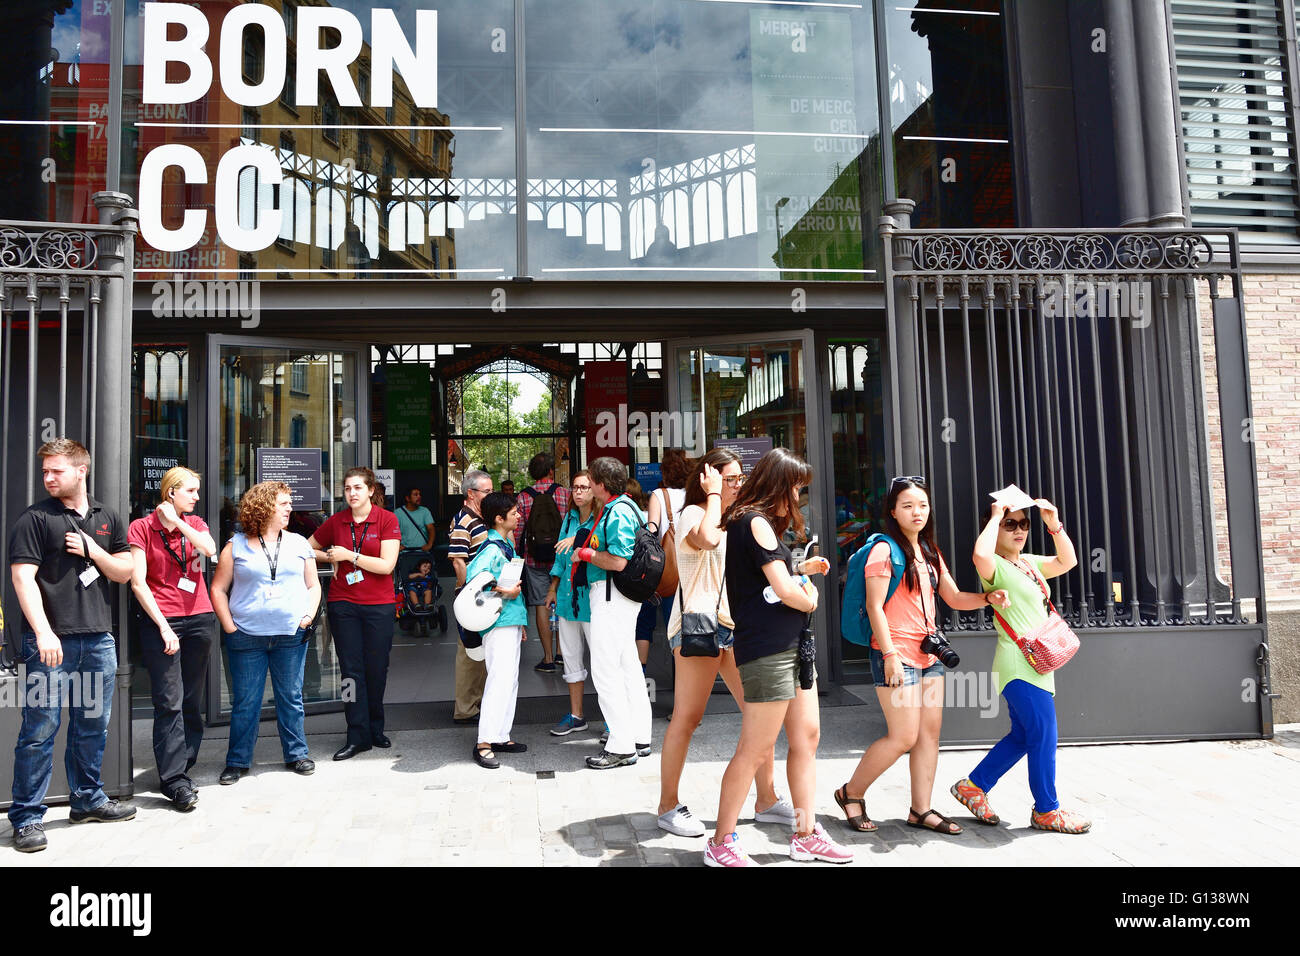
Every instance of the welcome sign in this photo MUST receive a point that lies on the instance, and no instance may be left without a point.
(176, 36)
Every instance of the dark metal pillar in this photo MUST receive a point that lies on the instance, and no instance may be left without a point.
(904, 384)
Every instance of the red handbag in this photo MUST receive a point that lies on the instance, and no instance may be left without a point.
(1051, 644)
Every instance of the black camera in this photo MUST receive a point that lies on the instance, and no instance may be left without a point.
(935, 643)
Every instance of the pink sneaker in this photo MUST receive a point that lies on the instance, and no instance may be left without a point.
(728, 853)
(818, 846)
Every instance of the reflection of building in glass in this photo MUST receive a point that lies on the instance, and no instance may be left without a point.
(828, 235)
(351, 200)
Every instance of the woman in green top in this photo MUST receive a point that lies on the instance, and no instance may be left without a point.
(1029, 694)
(573, 605)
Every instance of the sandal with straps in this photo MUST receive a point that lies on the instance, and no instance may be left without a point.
(484, 757)
(860, 822)
(945, 826)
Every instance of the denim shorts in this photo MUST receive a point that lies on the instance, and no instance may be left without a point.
(726, 640)
(911, 675)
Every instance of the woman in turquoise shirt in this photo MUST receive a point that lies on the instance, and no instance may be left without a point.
(573, 607)
(500, 641)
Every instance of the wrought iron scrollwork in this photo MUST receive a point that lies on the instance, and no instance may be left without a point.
(54, 249)
(1099, 251)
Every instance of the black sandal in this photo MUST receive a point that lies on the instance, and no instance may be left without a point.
(946, 826)
(484, 757)
(510, 747)
(860, 822)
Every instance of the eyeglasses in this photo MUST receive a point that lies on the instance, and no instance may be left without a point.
(734, 481)
(1011, 524)
(582, 487)
(907, 480)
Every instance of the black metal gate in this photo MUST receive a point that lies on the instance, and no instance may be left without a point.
(65, 311)
(1107, 371)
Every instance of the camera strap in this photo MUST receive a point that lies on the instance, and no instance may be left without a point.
(934, 597)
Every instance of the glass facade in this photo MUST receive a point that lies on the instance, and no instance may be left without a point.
(673, 139)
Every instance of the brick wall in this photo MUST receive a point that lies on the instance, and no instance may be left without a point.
(1273, 340)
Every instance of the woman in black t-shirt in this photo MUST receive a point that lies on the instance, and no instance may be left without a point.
(767, 655)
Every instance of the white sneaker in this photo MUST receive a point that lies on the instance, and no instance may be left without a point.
(780, 812)
(679, 821)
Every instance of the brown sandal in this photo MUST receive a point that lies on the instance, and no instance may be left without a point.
(860, 822)
(946, 826)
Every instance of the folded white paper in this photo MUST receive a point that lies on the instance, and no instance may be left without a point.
(511, 574)
(1013, 498)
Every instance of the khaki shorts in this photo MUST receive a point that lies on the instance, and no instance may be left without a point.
(771, 678)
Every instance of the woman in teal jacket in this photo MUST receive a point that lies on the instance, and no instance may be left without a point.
(571, 601)
(500, 641)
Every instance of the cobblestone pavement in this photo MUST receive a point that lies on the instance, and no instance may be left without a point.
(425, 802)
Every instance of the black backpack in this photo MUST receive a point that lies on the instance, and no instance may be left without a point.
(640, 576)
(542, 531)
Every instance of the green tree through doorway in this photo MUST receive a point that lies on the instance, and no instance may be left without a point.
(490, 407)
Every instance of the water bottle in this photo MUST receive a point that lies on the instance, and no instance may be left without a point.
(555, 619)
(770, 596)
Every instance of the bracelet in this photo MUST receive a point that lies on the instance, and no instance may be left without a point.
(586, 554)
(1059, 529)
(712, 493)
(890, 654)
(988, 595)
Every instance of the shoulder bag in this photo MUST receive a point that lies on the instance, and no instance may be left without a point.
(1049, 645)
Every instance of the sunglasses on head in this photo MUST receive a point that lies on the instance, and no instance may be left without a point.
(907, 480)
(1011, 524)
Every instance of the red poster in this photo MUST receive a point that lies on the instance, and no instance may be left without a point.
(605, 393)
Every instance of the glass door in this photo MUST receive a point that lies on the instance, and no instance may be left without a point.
(284, 394)
(756, 395)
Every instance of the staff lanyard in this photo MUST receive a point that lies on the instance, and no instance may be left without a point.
(272, 562)
(352, 530)
(182, 562)
(85, 544)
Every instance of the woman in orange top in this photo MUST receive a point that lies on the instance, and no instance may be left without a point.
(909, 681)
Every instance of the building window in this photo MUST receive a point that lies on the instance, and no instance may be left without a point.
(330, 118)
(1239, 151)
(390, 167)
(253, 59)
(250, 124)
(298, 427)
(363, 151)
(247, 266)
(289, 93)
(390, 115)
(363, 87)
(298, 377)
(290, 12)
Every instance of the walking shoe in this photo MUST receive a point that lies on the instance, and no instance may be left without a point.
(727, 853)
(643, 750)
(545, 667)
(975, 800)
(559, 658)
(110, 811)
(231, 775)
(818, 846)
(1062, 821)
(304, 766)
(30, 839)
(185, 798)
(607, 761)
(780, 812)
(568, 724)
(604, 737)
(678, 820)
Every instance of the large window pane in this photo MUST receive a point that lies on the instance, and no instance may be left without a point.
(948, 106)
(415, 188)
(688, 139)
(53, 109)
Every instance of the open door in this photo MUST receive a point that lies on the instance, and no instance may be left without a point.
(756, 395)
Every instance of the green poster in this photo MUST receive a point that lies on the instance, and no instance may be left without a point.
(407, 399)
(807, 187)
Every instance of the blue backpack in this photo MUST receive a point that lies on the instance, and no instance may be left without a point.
(855, 626)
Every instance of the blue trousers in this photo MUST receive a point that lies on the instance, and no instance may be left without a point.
(250, 658)
(83, 683)
(1033, 735)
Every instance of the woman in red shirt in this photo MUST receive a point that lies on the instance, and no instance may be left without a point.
(168, 548)
(362, 544)
(909, 681)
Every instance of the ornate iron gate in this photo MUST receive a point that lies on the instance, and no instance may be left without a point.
(1107, 371)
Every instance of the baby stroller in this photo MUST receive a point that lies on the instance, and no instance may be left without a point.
(413, 613)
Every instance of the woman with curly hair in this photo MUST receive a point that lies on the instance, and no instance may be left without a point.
(266, 593)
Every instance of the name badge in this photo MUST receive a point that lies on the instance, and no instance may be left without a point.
(187, 584)
(88, 577)
(356, 577)
(270, 591)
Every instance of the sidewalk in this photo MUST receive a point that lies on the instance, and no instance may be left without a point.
(426, 803)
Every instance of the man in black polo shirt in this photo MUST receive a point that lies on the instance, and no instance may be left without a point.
(64, 555)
